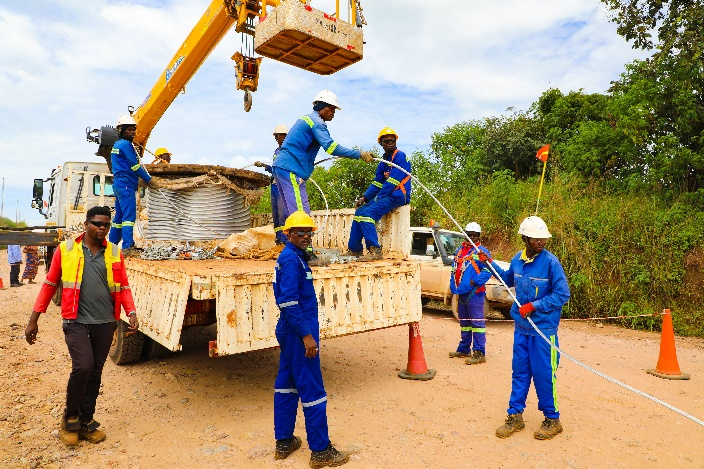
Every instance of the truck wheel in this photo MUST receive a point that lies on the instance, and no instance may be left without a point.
(153, 349)
(455, 302)
(126, 349)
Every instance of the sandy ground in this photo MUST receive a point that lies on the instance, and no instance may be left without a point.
(189, 410)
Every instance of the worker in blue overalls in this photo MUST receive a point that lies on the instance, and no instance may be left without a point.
(277, 214)
(542, 291)
(391, 188)
(298, 334)
(296, 159)
(126, 170)
(467, 280)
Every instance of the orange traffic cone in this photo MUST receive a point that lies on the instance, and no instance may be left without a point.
(2, 287)
(416, 368)
(667, 366)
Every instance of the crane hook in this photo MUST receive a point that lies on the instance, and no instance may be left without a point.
(247, 100)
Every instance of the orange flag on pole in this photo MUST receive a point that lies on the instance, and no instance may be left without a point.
(542, 154)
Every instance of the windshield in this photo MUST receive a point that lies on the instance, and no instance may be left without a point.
(450, 241)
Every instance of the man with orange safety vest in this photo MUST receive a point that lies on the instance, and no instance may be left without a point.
(467, 280)
(391, 188)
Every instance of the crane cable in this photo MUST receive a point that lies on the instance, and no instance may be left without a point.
(495, 273)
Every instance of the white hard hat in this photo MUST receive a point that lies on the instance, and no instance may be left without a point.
(473, 227)
(280, 129)
(327, 97)
(534, 227)
(125, 120)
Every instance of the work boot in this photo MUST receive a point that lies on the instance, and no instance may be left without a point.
(350, 253)
(476, 358)
(131, 252)
(549, 429)
(89, 432)
(374, 254)
(68, 430)
(284, 448)
(459, 355)
(328, 457)
(514, 423)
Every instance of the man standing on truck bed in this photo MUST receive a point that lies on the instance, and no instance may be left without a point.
(542, 291)
(391, 188)
(280, 132)
(467, 280)
(94, 288)
(296, 159)
(126, 170)
(298, 334)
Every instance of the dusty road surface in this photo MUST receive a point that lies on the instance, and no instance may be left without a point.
(189, 410)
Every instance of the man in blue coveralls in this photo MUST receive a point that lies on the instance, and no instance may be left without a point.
(391, 188)
(467, 280)
(542, 291)
(126, 170)
(280, 132)
(294, 165)
(298, 334)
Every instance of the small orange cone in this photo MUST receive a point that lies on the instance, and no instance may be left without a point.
(2, 287)
(667, 366)
(416, 368)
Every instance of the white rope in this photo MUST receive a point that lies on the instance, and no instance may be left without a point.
(327, 209)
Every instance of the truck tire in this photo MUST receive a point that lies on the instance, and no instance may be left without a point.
(153, 349)
(126, 350)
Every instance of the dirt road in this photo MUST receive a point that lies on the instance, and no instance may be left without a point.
(193, 411)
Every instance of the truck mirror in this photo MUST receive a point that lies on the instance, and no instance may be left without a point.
(38, 189)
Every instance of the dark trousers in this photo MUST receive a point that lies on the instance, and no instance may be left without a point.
(88, 345)
(14, 274)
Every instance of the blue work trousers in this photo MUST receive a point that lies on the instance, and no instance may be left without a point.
(365, 218)
(122, 227)
(472, 333)
(293, 195)
(277, 214)
(535, 359)
(299, 378)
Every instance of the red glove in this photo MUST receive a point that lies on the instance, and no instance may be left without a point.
(483, 257)
(526, 309)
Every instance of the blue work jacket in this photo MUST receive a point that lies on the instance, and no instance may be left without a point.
(390, 181)
(298, 152)
(125, 164)
(540, 280)
(295, 295)
(468, 262)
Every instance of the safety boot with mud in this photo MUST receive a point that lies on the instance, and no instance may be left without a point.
(284, 448)
(514, 423)
(374, 254)
(476, 358)
(459, 355)
(329, 457)
(350, 253)
(68, 430)
(549, 429)
(89, 432)
(132, 252)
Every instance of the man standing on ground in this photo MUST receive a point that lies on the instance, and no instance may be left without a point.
(280, 132)
(391, 188)
(95, 287)
(126, 170)
(298, 334)
(467, 280)
(542, 291)
(14, 258)
(296, 159)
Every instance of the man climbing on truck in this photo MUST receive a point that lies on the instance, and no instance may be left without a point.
(296, 159)
(391, 188)
(127, 170)
(298, 334)
(280, 132)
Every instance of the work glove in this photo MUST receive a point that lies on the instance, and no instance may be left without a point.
(359, 202)
(367, 156)
(153, 185)
(483, 257)
(526, 309)
(259, 164)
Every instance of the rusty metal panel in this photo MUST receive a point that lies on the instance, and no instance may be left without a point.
(351, 298)
(334, 230)
(160, 295)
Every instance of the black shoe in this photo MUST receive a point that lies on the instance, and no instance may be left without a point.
(328, 457)
(15, 284)
(284, 448)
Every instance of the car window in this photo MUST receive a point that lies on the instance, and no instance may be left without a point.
(450, 241)
(423, 244)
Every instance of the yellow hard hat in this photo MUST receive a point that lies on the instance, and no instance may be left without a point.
(387, 131)
(161, 151)
(299, 219)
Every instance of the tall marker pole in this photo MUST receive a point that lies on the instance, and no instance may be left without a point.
(542, 155)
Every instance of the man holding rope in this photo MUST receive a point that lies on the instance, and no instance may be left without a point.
(542, 290)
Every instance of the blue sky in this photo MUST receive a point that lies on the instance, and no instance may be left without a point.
(71, 64)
